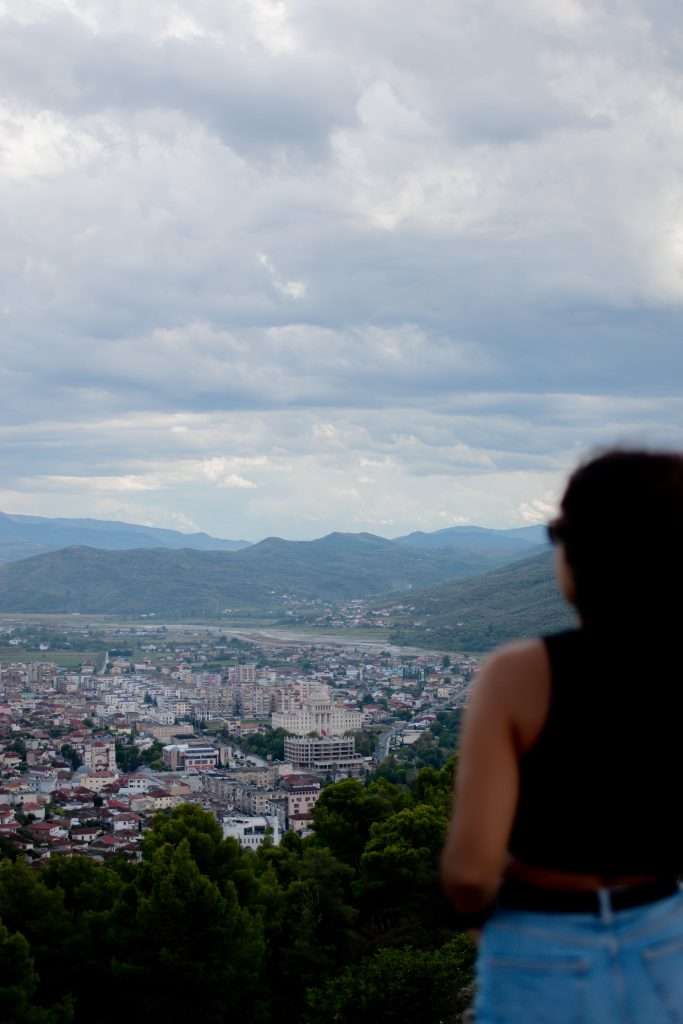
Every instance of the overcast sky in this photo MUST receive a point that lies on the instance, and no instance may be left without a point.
(289, 266)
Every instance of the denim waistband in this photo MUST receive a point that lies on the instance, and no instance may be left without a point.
(516, 895)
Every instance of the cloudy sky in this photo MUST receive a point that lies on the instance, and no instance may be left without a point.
(288, 266)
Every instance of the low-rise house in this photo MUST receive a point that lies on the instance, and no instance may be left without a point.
(161, 800)
(114, 843)
(301, 824)
(85, 833)
(97, 780)
(34, 808)
(42, 831)
(130, 784)
(125, 821)
(7, 815)
(141, 803)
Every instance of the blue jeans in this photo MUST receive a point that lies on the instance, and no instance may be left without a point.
(623, 967)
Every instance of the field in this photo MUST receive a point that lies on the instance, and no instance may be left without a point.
(65, 659)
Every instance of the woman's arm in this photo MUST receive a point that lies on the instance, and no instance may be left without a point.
(475, 853)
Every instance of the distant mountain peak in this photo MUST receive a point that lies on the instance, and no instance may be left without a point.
(22, 536)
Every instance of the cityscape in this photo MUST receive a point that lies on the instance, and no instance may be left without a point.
(161, 716)
(340, 471)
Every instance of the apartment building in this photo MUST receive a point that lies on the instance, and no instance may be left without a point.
(303, 751)
(190, 757)
(320, 717)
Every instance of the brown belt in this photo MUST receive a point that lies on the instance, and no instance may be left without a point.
(514, 895)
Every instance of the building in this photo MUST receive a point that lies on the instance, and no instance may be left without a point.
(252, 831)
(304, 751)
(330, 756)
(320, 717)
(242, 673)
(166, 733)
(96, 781)
(302, 795)
(190, 757)
(294, 696)
(99, 755)
(255, 700)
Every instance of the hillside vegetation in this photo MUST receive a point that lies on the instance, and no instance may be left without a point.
(518, 600)
(348, 926)
(262, 577)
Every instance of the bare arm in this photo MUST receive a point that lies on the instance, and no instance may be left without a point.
(475, 853)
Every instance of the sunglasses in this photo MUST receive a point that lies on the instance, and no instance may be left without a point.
(556, 530)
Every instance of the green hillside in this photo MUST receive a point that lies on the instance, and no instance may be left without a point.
(519, 600)
(264, 577)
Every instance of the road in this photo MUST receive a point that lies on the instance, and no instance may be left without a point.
(384, 741)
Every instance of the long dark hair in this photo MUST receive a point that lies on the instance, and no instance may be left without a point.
(621, 523)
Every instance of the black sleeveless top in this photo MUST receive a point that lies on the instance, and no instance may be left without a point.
(600, 790)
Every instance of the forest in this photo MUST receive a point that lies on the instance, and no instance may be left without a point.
(347, 925)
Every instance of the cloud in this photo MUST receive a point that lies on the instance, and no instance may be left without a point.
(411, 265)
(539, 510)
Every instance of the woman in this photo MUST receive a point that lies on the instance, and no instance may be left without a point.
(568, 835)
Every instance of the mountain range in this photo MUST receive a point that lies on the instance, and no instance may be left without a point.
(500, 544)
(462, 587)
(264, 576)
(22, 536)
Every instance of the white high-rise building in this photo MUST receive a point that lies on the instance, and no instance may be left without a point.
(320, 717)
(293, 696)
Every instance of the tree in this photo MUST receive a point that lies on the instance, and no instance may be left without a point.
(398, 985)
(17, 746)
(28, 906)
(196, 953)
(346, 811)
(268, 744)
(215, 857)
(128, 757)
(346, 925)
(71, 755)
(309, 921)
(153, 756)
(365, 742)
(18, 979)
(399, 892)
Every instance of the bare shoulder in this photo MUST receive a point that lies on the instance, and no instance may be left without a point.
(515, 677)
(518, 658)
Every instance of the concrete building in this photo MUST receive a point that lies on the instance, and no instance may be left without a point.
(251, 831)
(97, 780)
(304, 751)
(332, 756)
(190, 757)
(255, 700)
(166, 733)
(320, 717)
(294, 696)
(99, 755)
(242, 673)
(302, 793)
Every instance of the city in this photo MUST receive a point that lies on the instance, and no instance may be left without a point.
(249, 729)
